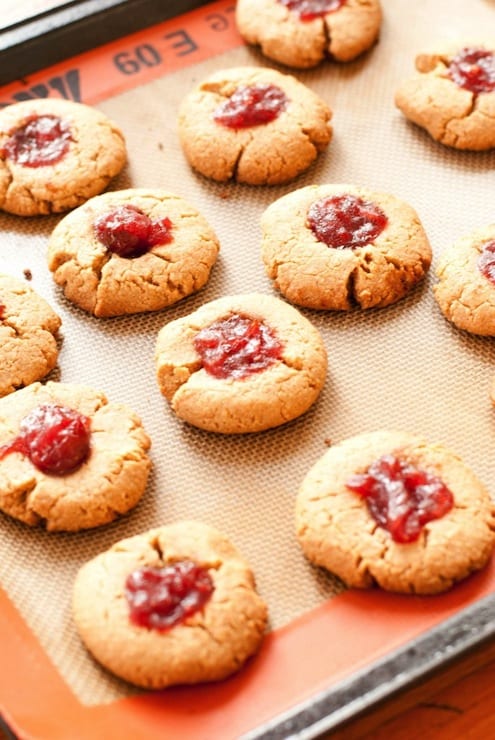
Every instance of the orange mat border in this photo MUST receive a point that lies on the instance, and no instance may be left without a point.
(135, 59)
(312, 653)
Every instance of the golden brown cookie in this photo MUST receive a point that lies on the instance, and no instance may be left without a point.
(131, 250)
(466, 288)
(301, 34)
(383, 535)
(28, 335)
(69, 459)
(240, 364)
(340, 246)
(55, 154)
(202, 629)
(452, 95)
(253, 125)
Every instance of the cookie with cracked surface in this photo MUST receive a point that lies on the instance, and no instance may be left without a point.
(69, 458)
(240, 364)
(55, 154)
(302, 34)
(390, 509)
(465, 292)
(339, 247)
(130, 251)
(452, 96)
(201, 629)
(253, 125)
(28, 335)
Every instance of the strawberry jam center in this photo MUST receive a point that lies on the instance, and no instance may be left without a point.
(307, 10)
(129, 232)
(400, 497)
(251, 105)
(55, 438)
(43, 140)
(159, 598)
(345, 221)
(486, 261)
(2, 311)
(237, 347)
(474, 70)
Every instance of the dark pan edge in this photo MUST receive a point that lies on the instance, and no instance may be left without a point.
(56, 35)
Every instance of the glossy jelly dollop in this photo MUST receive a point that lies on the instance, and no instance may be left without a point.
(55, 438)
(400, 497)
(237, 346)
(486, 261)
(41, 141)
(160, 598)
(346, 221)
(474, 70)
(307, 10)
(129, 232)
(251, 105)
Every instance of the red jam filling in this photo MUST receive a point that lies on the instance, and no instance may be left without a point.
(307, 10)
(55, 438)
(474, 70)
(251, 105)
(345, 221)
(42, 141)
(160, 598)
(237, 347)
(486, 261)
(2, 311)
(128, 232)
(400, 497)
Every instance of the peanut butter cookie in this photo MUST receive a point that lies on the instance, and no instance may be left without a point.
(466, 288)
(302, 33)
(28, 335)
(339, 246)
(240, 364)
(69, 459)
(389, 509)
(131, 250)
(55, 154)
(253, 125)
(452, 96)
(174, 605)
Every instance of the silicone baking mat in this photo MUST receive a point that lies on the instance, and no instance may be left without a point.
(403, 367)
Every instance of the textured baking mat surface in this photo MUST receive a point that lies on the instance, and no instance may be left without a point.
(402, 367)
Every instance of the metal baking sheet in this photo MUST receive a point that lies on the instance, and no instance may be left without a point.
(373, 145)
(330, 709)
